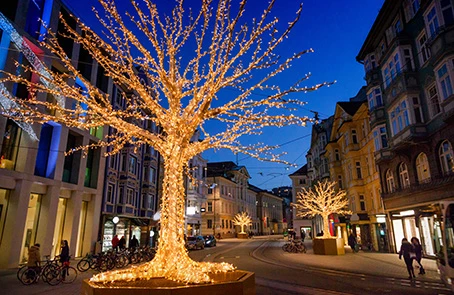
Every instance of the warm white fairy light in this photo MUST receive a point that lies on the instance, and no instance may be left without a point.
(177, 97)
(323, 199)
(242, 219)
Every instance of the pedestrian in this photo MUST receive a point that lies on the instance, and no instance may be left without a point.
(34, 256)
(134, 243)
(64, 257)
(418, 253)
(115, 241)
(303, 235)
(122, 243)
(352, 242)
(64, 254)
(408, 252)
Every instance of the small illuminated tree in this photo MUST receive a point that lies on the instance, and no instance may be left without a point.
(242, 219)
(323, 199)
(186, 59)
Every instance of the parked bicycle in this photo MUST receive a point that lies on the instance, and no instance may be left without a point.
(294, 247)
(63, 274)
(28, 275)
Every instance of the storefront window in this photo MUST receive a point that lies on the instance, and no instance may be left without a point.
(108, 236)
(427, 224)
(59, 225)
(398, 233)
(10, 145)
(81, 231)
(4, 197)
(449, 234)
(31, 225)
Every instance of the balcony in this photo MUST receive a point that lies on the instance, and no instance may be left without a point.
(433, 185)
(383, 155)
(412, 134)
(404, 82)
(441, 44)
(373, 77)
(400, 40)
(377, 116)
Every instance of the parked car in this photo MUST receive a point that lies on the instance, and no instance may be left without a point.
(196, 242)
(210, 241)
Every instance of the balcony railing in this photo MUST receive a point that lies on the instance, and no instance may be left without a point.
(427, 184)
(405, 81)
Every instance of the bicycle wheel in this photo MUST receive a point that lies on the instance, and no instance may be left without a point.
(20, 271)
(28, 277)
(83, 265)
(53, 276)
(69, 275)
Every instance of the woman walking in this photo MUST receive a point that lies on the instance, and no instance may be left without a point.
(418, 251)
(406, 250)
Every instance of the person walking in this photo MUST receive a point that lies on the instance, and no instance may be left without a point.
(134, 243)
(352, 242)
(122, 243)
(303, 235)
(408, 252)
(34, 256)
(115, 241)
(418, 253)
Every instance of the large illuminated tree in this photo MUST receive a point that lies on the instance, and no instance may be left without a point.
(187, 59)
(242, 219)
(323, 199)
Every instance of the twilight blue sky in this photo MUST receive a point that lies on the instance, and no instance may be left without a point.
(336, 30)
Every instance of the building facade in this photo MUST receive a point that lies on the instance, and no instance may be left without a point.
(408, 59)
(45, 196)
(300, 180)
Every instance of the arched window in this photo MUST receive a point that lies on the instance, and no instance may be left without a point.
(390, 181)
(422, 168)
(446, 157)
(403, 175)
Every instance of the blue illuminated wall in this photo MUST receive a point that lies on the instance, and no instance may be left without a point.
(46, 159)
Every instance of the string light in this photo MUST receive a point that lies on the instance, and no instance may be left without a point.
(177, 97)
(323, 200)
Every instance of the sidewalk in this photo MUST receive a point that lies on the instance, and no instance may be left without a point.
(371, 263)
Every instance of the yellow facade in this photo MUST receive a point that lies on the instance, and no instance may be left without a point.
(350, 154)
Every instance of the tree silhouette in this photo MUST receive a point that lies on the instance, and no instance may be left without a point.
(323, 200)
(242, 219)
(186, 59)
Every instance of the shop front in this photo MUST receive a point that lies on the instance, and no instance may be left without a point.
(421, 223)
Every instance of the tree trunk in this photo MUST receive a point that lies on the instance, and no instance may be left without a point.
(326, 232)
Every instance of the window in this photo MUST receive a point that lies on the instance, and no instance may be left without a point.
(336, 155)
(150, 202)
(132, 165)
(369, 63)
(358, 170)
(374, 98)
(444, 82)
(346, 139)
(120, 196)
(123, 162)
(223, 224)
(210, 207)
(422, 168)
(130, 196)
(403, 175)
(447, 12)
(362, 203)
(354, 137)
(432, 21)
(209, 223)
(417, 111)
(434, 103)
(446, 157)
(390, 181)
(110, 193)
(392, 69)
(423, 49)
(399, 117)
(339, 181)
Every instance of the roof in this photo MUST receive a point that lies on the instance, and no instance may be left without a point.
(301, 171)
(220, 168)
(350, 107)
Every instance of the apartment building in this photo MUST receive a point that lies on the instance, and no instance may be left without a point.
(300, 179)
(408, 60)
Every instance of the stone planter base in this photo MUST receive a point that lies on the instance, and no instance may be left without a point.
(328, 246)
(242, 236)
(235, 282)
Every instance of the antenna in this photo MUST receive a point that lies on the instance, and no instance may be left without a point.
(315, 115)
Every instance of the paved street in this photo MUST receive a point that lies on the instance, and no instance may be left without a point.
(278, 272)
